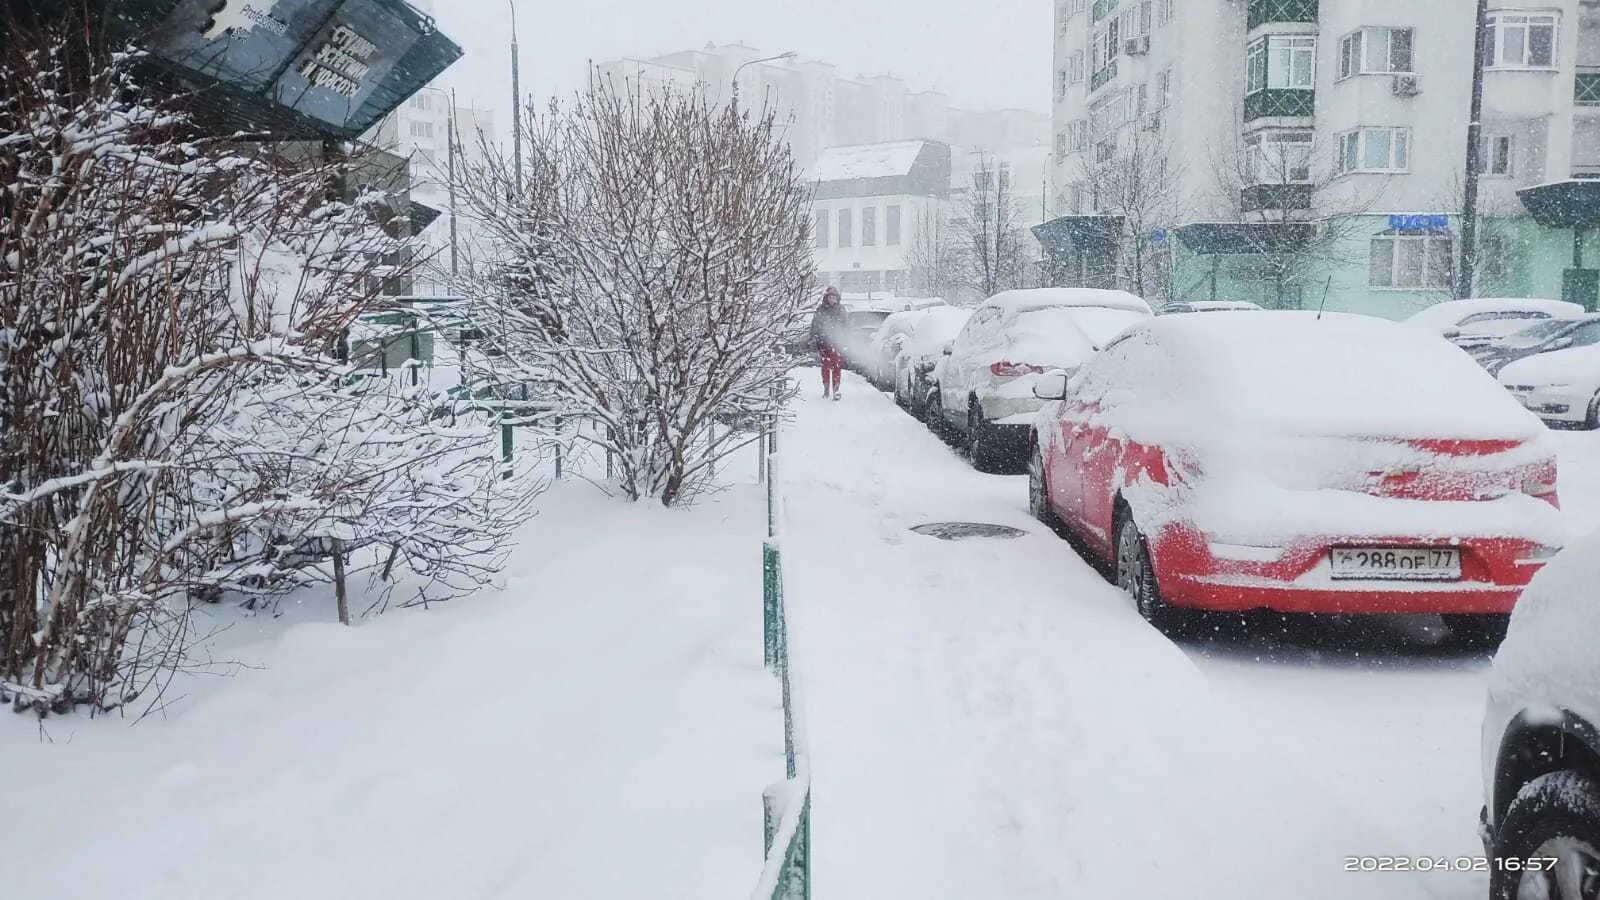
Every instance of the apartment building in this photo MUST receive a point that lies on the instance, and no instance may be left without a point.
(1298, 153)
(819, 108)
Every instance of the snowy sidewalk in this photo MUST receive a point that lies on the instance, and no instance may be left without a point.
(600, 729)
(990, 719)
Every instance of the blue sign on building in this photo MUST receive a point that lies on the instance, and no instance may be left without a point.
(1414, 224)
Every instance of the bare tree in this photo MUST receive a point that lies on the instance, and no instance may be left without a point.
(1137, 184)
(988, 230)
(934, 254)
(644, 274)
(174, 420)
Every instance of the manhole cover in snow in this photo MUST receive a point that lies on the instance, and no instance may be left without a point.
(961, 531)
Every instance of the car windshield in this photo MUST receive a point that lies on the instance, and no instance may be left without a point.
(867, 320)
(1097, 323)
(1536, 334)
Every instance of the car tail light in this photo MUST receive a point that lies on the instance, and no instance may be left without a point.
(1008, 369)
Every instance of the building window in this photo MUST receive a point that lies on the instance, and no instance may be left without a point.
(1061, 84)
(1061, 144)
(1163, 89)
(891, 225)
(1278, 157)
(1282, 61)
(422, 129)
(1075, 67)
(869, 226)
(1411, 261)
(1105, 151)
(1077, 135)
(1515, 41)
(846, 237)
(1164, 12)
(1376, 51)
(1373, 150)
(821, 239)
(1494, 156)
(1105, 47)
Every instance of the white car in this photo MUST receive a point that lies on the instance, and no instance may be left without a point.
(921, 351)
(1541, 738)
(1479, 321)
(984, 387)
(887, 342)
(1562, 386)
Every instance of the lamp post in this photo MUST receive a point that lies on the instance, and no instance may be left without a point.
(1469, 210)
(516, 100)
(742, 66)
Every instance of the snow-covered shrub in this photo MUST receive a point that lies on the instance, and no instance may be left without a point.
(644, 267)
(174, 418)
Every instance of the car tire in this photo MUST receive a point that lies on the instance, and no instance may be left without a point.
(1135, 573)
(933, 411)
(1480, 632)
(1593, 421)
(1039, 490)
(982, 442)
(1557, 814)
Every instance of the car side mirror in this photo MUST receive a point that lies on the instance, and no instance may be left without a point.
(1051, 386)
(1451, 334)
(948, 350)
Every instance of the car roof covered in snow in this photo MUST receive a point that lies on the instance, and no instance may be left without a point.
(888, 160)
(1211, 305)
(1336, 375)
(1013, 302)
(1446, 315)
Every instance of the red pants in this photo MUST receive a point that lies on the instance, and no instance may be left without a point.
(831, 364)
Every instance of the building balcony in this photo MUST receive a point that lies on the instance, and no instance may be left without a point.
(1259, 197)
(1270, 12)
(1275, 103)
(1102, 8)
(1103, 77)
(1586, 90)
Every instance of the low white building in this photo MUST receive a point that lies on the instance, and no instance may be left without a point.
(871, 204)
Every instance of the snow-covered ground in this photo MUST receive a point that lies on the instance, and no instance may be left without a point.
(992, 719)
(599, 728)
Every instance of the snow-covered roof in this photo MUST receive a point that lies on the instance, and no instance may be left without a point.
(890, 160)
(1040, 298)
(1442, 316)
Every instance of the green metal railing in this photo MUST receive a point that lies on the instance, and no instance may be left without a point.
(1103, 77)
(1278, 102)
(1586, 90)
(1268, 12)
(786, 873)
(1276, 196)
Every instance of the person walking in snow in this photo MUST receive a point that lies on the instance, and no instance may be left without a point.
(828, 329)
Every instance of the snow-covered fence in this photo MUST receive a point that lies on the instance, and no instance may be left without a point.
(786, 874)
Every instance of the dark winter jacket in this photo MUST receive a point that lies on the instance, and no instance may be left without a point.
(829, 327)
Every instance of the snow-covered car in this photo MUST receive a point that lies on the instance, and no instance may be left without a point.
(1197, 306)
(984, 387)
(1561, 385)
(1479, 321)
(1276, 460)
(862, 322)
(1540, 337)
(921, 352)
(1541, 738)
(887, 342)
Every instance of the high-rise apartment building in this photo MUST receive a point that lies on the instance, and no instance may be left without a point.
(1287, 151)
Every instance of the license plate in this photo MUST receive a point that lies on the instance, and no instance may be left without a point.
(1397, 563)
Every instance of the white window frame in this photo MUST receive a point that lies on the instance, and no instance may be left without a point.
(1267, 160)
(1431, 275)
(1356, 51)
(1355, 143)
(822, 230)
(1281, 62)
(1496, 44)
(892, 225)
(844, 228)
(869, 226)
(1497, 158)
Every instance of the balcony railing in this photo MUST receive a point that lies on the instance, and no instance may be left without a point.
(1280, 102)
(1102, 8)
(1276, 196)
(1267, 12)
(1586, 91)
(1103, 77)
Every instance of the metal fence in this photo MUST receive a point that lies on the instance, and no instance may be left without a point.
(786, 874)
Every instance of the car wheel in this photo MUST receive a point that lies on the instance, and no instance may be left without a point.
(1593, 421)
(1553, 816)
(933, 411)
(981, 442)
(1039, 489)
(1484, 631)
(1136, 575)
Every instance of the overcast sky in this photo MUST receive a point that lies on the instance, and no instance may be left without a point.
(980, 56)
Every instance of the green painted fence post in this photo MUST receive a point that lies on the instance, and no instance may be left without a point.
(505, 446)
(769, 607)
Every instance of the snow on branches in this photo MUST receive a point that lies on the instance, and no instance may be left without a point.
(175, 420)
(644, 267)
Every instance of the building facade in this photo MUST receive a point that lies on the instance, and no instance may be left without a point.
(1297, 153)
(873, 208)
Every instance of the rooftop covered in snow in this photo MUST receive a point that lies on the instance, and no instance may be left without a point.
(918, 168)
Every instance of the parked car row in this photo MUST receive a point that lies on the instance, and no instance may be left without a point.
(1297, 462)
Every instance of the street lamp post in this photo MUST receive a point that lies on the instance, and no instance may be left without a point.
(742, 66)
(516, 100)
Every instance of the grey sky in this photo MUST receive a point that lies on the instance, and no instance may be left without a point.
(982, 55)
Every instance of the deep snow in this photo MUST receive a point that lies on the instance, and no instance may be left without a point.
(992, 719)
(599, 728)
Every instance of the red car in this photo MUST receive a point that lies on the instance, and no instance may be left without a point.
(1298, 463)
